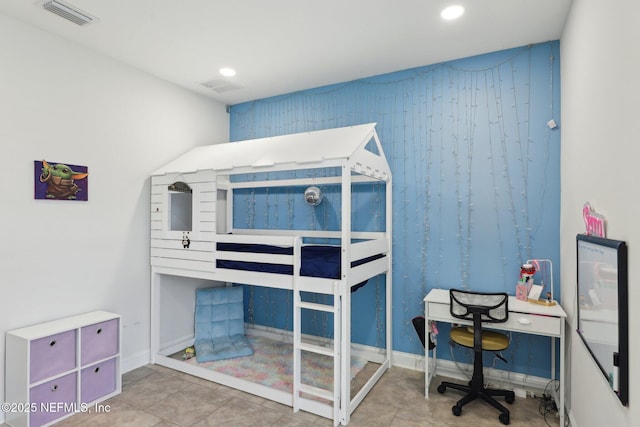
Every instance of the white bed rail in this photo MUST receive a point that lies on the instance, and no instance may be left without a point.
(307, 233)
(361, 250)
(245, 256)
(264, 239)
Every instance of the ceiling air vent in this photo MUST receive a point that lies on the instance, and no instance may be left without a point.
(220, 85)
(68, 12)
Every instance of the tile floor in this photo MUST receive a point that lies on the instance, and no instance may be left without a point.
(157, 396)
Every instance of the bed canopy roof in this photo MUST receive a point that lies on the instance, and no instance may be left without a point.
(358, 146)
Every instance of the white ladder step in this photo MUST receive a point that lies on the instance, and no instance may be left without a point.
(316, 349)
(317, 307)
(315, 391)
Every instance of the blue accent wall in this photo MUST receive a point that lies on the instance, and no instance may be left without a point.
(476, 184)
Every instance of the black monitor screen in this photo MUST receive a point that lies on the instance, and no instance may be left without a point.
(602, 307)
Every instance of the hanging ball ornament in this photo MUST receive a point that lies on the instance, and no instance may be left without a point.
(313, 196)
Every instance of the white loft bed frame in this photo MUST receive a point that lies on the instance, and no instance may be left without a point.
(357, 152)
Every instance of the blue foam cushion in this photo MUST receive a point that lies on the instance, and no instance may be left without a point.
(219, 324)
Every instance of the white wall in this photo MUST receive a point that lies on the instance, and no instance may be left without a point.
(63, 103)
(600, 67)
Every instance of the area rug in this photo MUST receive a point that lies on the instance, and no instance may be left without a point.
(272, 365)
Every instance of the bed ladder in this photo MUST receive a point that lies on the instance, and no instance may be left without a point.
(299, 346)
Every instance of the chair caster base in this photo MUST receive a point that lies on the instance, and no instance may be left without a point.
(504, 418)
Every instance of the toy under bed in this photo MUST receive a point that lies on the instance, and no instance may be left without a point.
(321, 261)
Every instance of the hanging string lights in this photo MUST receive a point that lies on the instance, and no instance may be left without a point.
(472, 163)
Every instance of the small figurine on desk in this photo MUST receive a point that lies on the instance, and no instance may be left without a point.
(544, 269)
(527, 271)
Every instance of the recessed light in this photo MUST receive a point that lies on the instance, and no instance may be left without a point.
(227, 72)
(452, 12)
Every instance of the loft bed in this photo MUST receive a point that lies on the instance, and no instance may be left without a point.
(193, 240)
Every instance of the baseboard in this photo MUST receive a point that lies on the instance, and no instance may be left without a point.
(496, 377)
(408, 361)
(572, 420)
(135, 361)
(372, 354)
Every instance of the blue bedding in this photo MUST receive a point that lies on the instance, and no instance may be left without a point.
(317, 260)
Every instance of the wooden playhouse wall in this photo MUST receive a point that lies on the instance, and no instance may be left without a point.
(167, 246)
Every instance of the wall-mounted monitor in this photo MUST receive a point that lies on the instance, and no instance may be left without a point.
(603, 307)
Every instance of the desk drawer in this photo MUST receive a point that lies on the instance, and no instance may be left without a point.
(438, 311)
(533, 324)
(517, 322)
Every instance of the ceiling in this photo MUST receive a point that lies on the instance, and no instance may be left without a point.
(283, 46)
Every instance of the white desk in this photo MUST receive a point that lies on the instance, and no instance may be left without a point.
(524, 317)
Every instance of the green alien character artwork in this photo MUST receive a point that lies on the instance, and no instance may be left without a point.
(60, 181)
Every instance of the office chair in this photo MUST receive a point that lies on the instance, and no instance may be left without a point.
(480, 308)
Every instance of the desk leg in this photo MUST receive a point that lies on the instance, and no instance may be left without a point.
(429, 362)
(558, 397)
(553, 358)
(427, 369)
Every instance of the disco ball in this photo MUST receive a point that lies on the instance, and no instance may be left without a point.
(313, 196)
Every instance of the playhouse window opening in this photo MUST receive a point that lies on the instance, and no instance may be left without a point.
(180, 211)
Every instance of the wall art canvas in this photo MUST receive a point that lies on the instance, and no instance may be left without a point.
(60, 181)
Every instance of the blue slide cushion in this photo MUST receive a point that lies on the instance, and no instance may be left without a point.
(219, 324)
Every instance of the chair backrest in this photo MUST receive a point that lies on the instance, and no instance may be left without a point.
(487, 307)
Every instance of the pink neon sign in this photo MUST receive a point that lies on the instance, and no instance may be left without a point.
(594, 222)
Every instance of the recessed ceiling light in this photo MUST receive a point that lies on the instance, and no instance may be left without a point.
(452, 12)
(227, 72)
